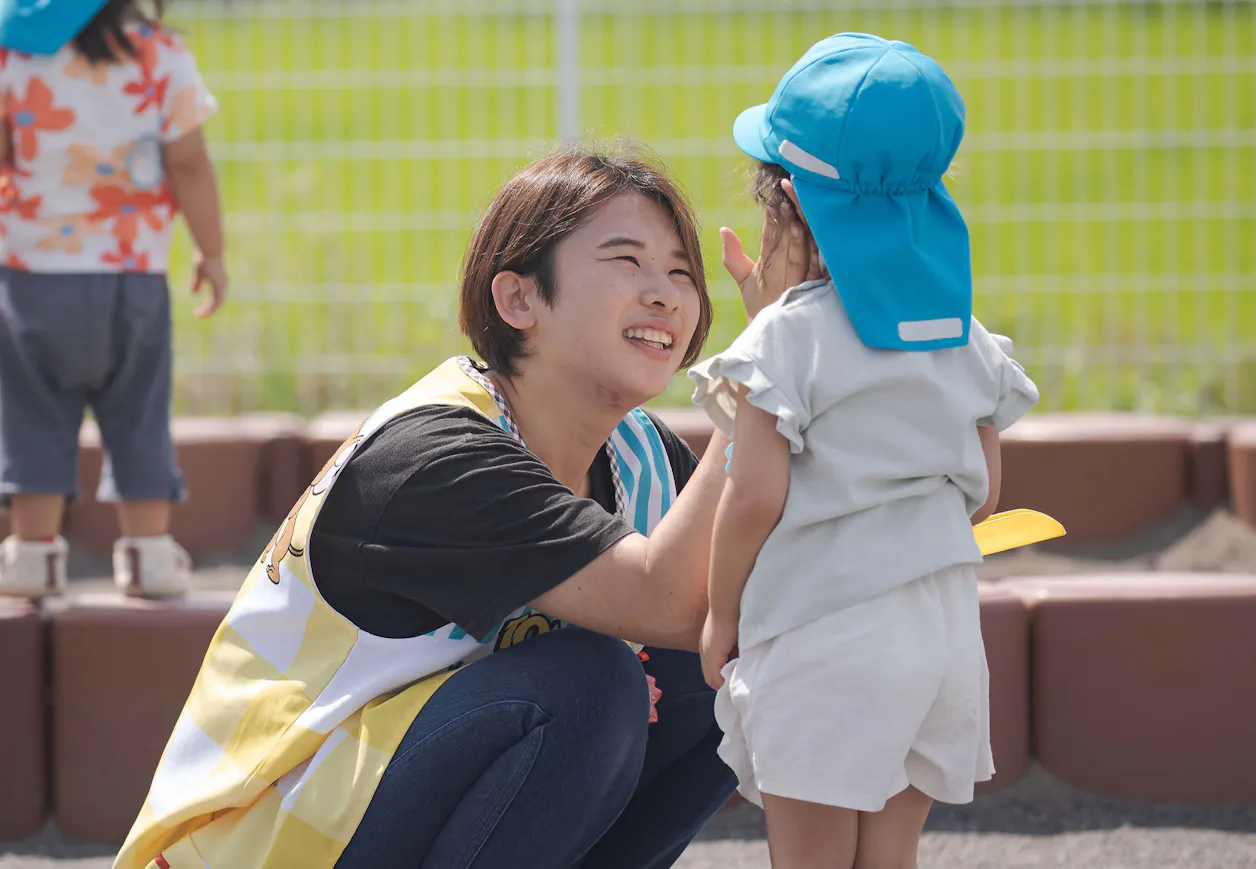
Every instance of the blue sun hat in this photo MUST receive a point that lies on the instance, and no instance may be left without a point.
(867, 127)
(44, 26)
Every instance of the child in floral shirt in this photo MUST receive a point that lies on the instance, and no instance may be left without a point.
(102, 145)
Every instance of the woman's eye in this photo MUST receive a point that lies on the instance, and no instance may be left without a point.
(683, 273)
(631, 259)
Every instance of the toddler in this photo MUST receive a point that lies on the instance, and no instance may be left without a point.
(864, 408)
(102, 143)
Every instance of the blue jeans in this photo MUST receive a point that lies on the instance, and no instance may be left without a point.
(541, 756)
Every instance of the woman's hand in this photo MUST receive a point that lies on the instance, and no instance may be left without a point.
(787, 257)
(719, 642)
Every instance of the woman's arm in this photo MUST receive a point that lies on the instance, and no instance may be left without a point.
(651, 590)
(654, 590)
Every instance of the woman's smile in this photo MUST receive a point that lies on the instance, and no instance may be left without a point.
(656, 339)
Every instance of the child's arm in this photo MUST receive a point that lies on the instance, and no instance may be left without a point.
(994, 466)
(195, 187)
(749, 508)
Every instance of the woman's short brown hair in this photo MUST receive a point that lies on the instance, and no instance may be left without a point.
(548, 200)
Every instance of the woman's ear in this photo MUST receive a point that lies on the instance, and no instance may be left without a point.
(516, 299)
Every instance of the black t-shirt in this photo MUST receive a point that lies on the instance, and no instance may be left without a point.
(443, 518)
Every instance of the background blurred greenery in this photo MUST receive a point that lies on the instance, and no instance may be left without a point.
(1108, 176)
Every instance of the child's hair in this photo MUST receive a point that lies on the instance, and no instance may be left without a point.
(765, 184)
(104, 39)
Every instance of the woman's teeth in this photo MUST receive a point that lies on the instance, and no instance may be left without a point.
(653, 337)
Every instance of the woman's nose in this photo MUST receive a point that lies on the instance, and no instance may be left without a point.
(662, 293)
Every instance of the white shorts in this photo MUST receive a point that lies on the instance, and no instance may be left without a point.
(850, 709)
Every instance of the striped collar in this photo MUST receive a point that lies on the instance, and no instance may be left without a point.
(507, 422)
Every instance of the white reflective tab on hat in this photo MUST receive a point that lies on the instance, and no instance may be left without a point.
(930, 330)
(799, 157)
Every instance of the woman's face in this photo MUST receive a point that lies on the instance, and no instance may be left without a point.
(626, 305)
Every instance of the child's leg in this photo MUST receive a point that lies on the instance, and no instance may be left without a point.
(804, 835)
(47, 362)
(951, 749)
(144, 518)
(133, 407)
(36, 515)
(133, 411)
(888, 839)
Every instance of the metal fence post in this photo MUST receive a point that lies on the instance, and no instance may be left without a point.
(567, 14)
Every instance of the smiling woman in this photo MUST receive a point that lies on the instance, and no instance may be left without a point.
(391, 687)
(628, 220)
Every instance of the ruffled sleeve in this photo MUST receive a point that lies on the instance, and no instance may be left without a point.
(773, 359)
(1017, 393)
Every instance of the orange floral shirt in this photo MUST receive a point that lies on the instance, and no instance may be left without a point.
(85, 190)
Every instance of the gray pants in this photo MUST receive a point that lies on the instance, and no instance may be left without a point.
(73, 341)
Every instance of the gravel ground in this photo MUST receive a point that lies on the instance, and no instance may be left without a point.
(1040, 822)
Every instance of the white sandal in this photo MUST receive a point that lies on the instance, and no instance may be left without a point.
(153, 567)
(32, 568)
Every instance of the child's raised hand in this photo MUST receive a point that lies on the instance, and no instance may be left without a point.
(787, 258)
(815, 265)
(210, 270)
(718, 643)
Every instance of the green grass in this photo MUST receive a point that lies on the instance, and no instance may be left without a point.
(1109, 178)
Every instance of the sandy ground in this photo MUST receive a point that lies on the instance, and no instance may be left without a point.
(1038, 823)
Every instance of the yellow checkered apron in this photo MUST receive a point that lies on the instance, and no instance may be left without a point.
(296, 712)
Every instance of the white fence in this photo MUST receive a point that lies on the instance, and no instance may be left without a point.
(1108, 176)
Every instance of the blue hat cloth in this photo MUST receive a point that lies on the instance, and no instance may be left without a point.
(44, 26)
(867, 127)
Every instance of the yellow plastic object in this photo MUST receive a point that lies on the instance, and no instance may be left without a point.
(1013, 528)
